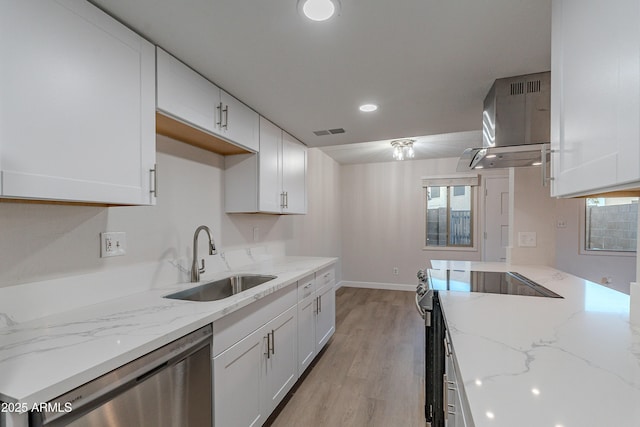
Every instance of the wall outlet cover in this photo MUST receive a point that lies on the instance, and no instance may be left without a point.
(113, 243)
(527, 239)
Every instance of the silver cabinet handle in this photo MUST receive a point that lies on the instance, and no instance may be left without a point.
(154, 172)
(219, 120)
(268, 353)
(273, 342)
(286, 199)
(226, 117)
(445, 396)
(308, 286)
(282, 206)
(543, 152)
(320, 304)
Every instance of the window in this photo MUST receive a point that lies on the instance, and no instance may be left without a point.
(611, 224)
(449, 216)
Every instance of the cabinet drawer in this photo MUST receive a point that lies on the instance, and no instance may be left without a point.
(235, 326)
(306, 287)
(325, 277)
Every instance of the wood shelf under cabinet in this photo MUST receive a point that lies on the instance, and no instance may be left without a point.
(176, 129)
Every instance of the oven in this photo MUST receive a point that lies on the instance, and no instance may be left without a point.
(428, 305)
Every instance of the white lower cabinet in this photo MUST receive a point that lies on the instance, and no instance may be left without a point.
(455, 407)
(280, 372)
(316, 315)
(326, 315)
(260, 351)
(237, 374)
(252, 376)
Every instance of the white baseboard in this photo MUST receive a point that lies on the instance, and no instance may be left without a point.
(377, 285)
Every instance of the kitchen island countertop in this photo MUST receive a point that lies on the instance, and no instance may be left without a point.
(533, 362)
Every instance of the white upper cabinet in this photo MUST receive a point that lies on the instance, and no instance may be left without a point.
(239, 123)
(294, 174)
(595, 102)
(270, 198)
(77, 110)
(273, 181)
(186, 95)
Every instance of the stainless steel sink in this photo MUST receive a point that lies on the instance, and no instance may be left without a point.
(222, 288)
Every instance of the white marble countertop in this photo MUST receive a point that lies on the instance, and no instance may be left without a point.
(43, 358)
(536, 362)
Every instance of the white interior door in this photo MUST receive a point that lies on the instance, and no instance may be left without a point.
(496, 219)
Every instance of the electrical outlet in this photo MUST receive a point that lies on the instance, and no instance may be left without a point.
(561, 223)
(113, 243)
(396, 271)
(527, 239)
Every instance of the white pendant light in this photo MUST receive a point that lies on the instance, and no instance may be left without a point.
(319, 10)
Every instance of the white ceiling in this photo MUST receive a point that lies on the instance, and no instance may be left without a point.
(427, 63)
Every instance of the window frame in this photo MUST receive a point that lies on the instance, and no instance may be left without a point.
(582, 244)
(450, 182)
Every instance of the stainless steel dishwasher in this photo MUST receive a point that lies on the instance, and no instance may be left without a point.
(169, 387)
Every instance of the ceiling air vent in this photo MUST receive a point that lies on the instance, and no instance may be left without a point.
(533, 86)
(517, 88)
(329, 132)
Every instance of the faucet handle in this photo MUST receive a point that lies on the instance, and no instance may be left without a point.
(201, 269)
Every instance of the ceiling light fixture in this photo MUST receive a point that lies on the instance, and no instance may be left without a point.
(403, 149)
(367, 108)
(319, 10)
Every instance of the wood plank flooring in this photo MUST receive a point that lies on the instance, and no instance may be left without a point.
(370, 373)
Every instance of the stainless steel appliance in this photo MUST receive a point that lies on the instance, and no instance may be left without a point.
(515, 124)
(430, 283)
(428, 305)
(169, 387)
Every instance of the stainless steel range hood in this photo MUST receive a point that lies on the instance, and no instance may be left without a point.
(515, 125)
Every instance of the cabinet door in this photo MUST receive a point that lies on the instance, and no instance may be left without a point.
(238, 373)
(77, 106)
(281, 365)
(185, 94)
(595, 95)
(270, 188)
(306, 332)
(294, 172)
(326, 317)
(240, 124)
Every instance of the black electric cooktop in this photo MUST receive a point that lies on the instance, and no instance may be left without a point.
(492, 282)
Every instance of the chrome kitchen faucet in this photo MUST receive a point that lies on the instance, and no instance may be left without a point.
(195, 270)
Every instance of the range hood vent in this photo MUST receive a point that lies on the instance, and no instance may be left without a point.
(515, 124)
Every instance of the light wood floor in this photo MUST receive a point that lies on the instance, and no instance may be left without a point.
(370, 373)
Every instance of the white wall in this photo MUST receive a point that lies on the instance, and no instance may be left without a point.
(534, 210)
(531, 210)
(383, 224)
(621, 269)
(42, 241)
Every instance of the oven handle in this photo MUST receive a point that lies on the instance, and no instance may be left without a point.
(420, 309)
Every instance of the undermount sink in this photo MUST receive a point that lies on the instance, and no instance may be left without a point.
(221, 288)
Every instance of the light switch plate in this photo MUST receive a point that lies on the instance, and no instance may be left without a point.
(527, 239)
(113, 243)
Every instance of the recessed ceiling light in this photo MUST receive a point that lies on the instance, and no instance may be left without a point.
(367, 108)
(490, 156)
(319, 10)
(536, 163)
